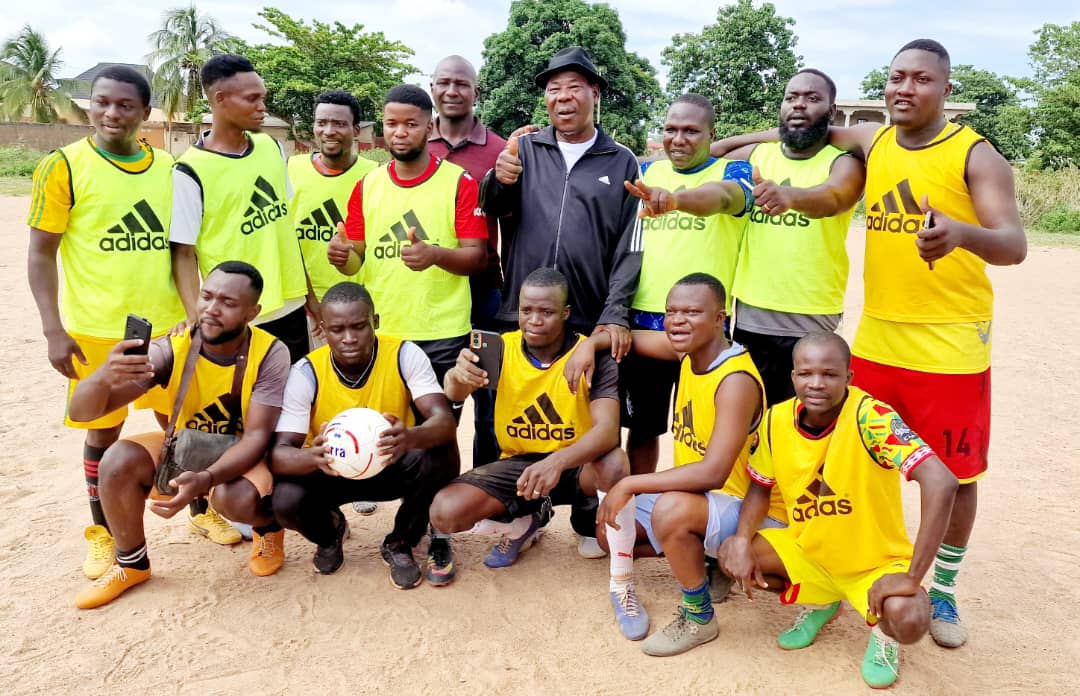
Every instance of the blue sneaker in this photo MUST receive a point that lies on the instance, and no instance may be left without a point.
(945, 626)
(632, 618)
(506, 552)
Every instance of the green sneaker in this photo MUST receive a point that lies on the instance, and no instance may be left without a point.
(807, 624)
(881, 663)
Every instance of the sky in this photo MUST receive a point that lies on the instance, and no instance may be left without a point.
(845, 38)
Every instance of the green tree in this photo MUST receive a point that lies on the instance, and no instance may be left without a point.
(873, 85)
(28, 81)
(1055, 57)
(742, 63)
(322, 56)
(183, 44)
(537, 30)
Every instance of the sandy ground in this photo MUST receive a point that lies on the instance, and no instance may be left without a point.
(205, 625)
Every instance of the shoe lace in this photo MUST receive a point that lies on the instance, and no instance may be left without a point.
(504, 544)
(116, 572)
(628, 600)
(267, 546)
(944, 610)
(215, 520)
(680, 627)
(804, 614)
(102, 548)
(886, 655)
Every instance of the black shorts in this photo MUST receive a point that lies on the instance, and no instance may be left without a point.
(646, 386)
(772, 357)
(292, 330)
(499, 480)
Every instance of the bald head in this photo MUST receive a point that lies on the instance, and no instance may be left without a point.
(453, 88)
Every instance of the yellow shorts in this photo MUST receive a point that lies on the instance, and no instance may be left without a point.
(96, 351)
(812, 584)
(259, 475)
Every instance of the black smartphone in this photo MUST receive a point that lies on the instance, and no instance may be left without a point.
(488, 346)
(140, 328)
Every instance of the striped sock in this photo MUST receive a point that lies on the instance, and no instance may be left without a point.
(135, 558)
(696, 603)
(91, 459)
(946, 567)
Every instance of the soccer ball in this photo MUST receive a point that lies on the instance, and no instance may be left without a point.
(352, 440)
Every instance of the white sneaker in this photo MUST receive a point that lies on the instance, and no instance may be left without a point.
(589, 547)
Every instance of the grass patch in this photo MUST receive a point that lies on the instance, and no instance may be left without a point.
(15, 185)
(1050, 200)
(376, 155)
(17, 160)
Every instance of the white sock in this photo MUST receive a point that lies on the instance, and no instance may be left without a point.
(621, 544)
(881, 635)
(511, 530)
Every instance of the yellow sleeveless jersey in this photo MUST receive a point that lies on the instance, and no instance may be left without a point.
(679, 243)
(207, 404)
(246, 218)
(115, 249)
(932, 321)
(385, 389)
(842, 488)
(535, 413)
(695, 416)
(318, 204)
(789, 262)
(429, 304)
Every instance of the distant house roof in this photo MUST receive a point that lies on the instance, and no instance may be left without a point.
(85, 78)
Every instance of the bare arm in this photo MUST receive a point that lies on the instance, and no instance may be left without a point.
(45, 287)
(185, 270)
(121, 380)
(854, 139)
(839, 193)
(289, 457)
(470, 258)
(439, 427)
(727, 146)
(937, 489)
(464, 377)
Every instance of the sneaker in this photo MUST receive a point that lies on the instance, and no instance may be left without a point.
(329, 558)
(215, 527)
(115, 582)
(440, 570)
(719, 582)
(589, 547)
(506, 552)
(267, 552)
(881, 663)
(100, 551)
(365, 507)
(244, 529)
(807, 624)
(945, 626)
(632, 618)
(680, 635)
(404, 572)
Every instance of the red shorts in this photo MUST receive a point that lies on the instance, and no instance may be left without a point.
(951, 413)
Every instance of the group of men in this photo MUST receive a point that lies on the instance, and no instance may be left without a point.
(617, 286)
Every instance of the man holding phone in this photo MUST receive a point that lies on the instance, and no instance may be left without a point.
(103, 203)
(558, 447)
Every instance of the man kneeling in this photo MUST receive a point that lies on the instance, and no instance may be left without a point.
(836, 455)
(395, 377)
(221, 353)
(558, 447)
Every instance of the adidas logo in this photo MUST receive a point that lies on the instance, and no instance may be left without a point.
(215, 418)
(389, 246)
(139, 230)
(320, 225)
(265, 207)
(540, 421)
(605, 180)
(891, 214)
(682, 429)
(819, 500)
(791, 218)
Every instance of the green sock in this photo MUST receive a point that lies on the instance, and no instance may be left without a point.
(946, 567)
(696, 603)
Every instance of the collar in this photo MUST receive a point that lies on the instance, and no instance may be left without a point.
(710, 161)
(477, 136)
(433, 164)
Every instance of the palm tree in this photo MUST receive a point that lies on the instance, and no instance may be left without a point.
(28, 81)
(183, 44)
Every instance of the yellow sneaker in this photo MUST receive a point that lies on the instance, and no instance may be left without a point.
(111, 585)
(267, 552)
(100, 552)
(215, 527)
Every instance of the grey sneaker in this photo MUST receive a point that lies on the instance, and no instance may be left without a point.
(680, 635)
(719, 583)
(365, 507)
(945, 626)
(589, 547)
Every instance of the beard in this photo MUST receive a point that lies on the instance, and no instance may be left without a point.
(225, 336)
(409, 155)
(806, 136)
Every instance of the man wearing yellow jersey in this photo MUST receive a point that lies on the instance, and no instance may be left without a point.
(239, 482)
(103, 203)
(675, 244)
(940, 206)
(394, 377)
(416, 229)
(836, 454)
(687, 511)
(557, 446)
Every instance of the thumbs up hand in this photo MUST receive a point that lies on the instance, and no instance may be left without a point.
(418, 255)
(772, 198)
(508, 165)
(337, 251)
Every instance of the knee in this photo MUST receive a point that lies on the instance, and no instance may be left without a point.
(237, 500)
(611, 468)
(907, 619)
(124, 462)
(448, 514)
(669, 514)
(285, 503)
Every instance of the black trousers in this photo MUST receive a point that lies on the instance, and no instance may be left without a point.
(292, 330)
(308, 503)
(772, 357)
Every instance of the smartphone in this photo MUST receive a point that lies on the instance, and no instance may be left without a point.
(488, 345)
(928, 223)
(140, 328)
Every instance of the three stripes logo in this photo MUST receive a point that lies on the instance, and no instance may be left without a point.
(791, 218)
(540, 421)
(215, 417)
(138, 230)
(820, 500)
(320, 224)
(266, 207)
(682, 429)
(389, 246)
(897, 211)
